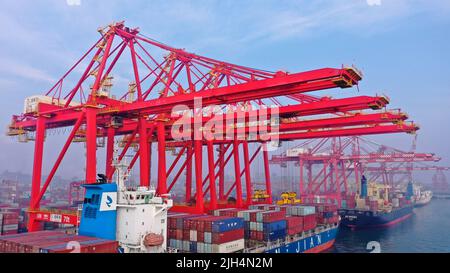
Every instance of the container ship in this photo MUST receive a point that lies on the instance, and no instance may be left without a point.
(308, 228)
(375, 207)
(421, 197)
(115, 218)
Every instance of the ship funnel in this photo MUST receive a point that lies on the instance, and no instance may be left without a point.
(409, 190)
(363, 187)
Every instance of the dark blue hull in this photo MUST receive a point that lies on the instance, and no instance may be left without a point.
(313, 244)
(370, 219)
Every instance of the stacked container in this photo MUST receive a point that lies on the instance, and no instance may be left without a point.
(269, 225)
(294, 225)
(206, 233)
(54, 242)
(301, 210)
(307, 213)
(326, 213)
(9, 223)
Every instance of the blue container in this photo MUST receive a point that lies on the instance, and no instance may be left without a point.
(246, 233)
(227, 224)
(275, 235)
(246, 225)
(278, 225)
(193, 247)
(328, 214)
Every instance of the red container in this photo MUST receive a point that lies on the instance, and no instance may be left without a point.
(295, 230)
(229, 213)
(9, 232)
(272, 207)
(259, 236)
(200, 236)
(16, 243)
(224, 237)
(186, 235)
(253, 216)
(205, 223)
(273, 216)
(309, 222)
(294, 221)
(91, 246)
(179, 234)
(171, 233)
(10, 215)
(36, 246)
(10, 221)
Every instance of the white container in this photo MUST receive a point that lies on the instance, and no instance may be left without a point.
(207, 237)
(296, 152)
(193, 236)
(200, 248)
(301, 210)
(246, 214)
(32, 102)
(186, 247)
(229, 247)
(259, 226)
(207, 248)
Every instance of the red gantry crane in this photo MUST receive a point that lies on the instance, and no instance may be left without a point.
(336, 159)
(168, 84)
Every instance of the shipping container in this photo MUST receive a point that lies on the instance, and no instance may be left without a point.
(301, 210)
(274, 235)
(227, 224)
(228, 247)
(273, 226)
(228, 236)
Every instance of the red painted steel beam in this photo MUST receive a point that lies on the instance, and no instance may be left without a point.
(324, 106)
(91, 145)
(58, 162)
(33, 225)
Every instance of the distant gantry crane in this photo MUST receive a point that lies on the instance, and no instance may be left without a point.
(326, 165)
(170, 84)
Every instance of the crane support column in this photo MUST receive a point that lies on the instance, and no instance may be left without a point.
(237, 174)
(212, 177)
(267, 172)
(198, 175)
(91, 145)
(248, 182)
(109, 149)
(33, 225)
(162, 175)
(302, 186)
(221, 172)
(144, 153)
(189, 153)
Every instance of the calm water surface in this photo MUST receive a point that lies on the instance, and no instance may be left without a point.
(428, 230)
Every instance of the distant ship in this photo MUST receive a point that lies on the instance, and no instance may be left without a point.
(377, 208)
(441, 195)
(422, 198)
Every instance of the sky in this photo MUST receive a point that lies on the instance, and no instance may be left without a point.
(402, 47)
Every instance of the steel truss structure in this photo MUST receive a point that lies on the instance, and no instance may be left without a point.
(327, 165)
(164, 77)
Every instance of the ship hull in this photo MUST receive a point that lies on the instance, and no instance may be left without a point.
(313, 244)
(422, 203)
(357, 219)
